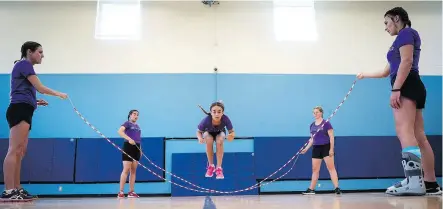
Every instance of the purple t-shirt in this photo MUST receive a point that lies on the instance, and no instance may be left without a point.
(133, 131)
(322, 137)
(206, 124)
(406, 36)
(22, 91)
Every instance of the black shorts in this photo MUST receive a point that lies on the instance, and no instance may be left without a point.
(320, 151)
(131, 150)
(19, 112)
(413, 89)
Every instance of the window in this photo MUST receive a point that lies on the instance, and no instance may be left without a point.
(294, 20)
(118, 21)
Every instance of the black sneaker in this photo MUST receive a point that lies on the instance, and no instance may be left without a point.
(26, 193)
(337, 191)
(432, 188)
(14, 196)
(309, 191)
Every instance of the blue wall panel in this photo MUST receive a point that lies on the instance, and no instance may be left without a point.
(63, 160)
(271, 153)
(46, 160)
(99, 161)
(356, 157)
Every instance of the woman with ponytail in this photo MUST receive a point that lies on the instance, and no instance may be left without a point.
(213, 128)
(407, 101)
(24, 87)
(130, 131)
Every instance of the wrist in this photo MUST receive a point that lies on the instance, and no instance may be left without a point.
(396, 89)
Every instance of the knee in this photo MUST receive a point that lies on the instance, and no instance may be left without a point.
(126, 171)
(331, 168)
(219, 141)
(316, 169)
(15, 151)
(133, 171)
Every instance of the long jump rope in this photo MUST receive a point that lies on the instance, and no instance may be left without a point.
(206, 190)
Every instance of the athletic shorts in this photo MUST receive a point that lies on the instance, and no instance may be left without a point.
(413, 89)
(19, 112)
(214, 134)
(320, 151)
(131, 150)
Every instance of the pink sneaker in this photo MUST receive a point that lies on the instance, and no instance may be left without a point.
(210, 171)
(132, 195)
(121, 195)
(219, 173)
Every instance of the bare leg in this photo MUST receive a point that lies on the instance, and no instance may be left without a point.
(220, 149)
(427, 153)
(125, 173)
(332, 171)
(411, 156)
(132, 177)
(209, 148)
(18, 134)
(24, 147)
(209, 153)
(316, 163)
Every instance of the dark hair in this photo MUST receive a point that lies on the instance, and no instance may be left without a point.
(220, 104)
(401, 13)
(130, 113)
(31, 45)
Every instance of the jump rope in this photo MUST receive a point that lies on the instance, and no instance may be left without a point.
(206, 190)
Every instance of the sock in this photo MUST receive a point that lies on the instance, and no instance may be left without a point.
(414, 150)
(9, 191)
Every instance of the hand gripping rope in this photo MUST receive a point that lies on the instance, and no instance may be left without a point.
(205, 190)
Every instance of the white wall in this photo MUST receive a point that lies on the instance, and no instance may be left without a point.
(237, 37)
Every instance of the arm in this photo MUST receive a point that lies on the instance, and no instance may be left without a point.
(35, 81)
(331, 138)
(230, 128)
(199, 134)
(231, 134)
(380, 74)
(121, 132)
(311, 140)
(405, 44)
(406, 53)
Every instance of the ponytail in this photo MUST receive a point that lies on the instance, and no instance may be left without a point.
(204, 111)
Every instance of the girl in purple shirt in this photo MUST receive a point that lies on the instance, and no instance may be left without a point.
(323, 143)
(407, 101)
(210, 129)
(130, 131)
(24, 86)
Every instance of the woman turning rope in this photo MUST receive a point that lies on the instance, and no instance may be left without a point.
(24, 84)
(408, 98)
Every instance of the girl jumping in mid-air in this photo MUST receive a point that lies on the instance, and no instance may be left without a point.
(210, 129)
(131, 132)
